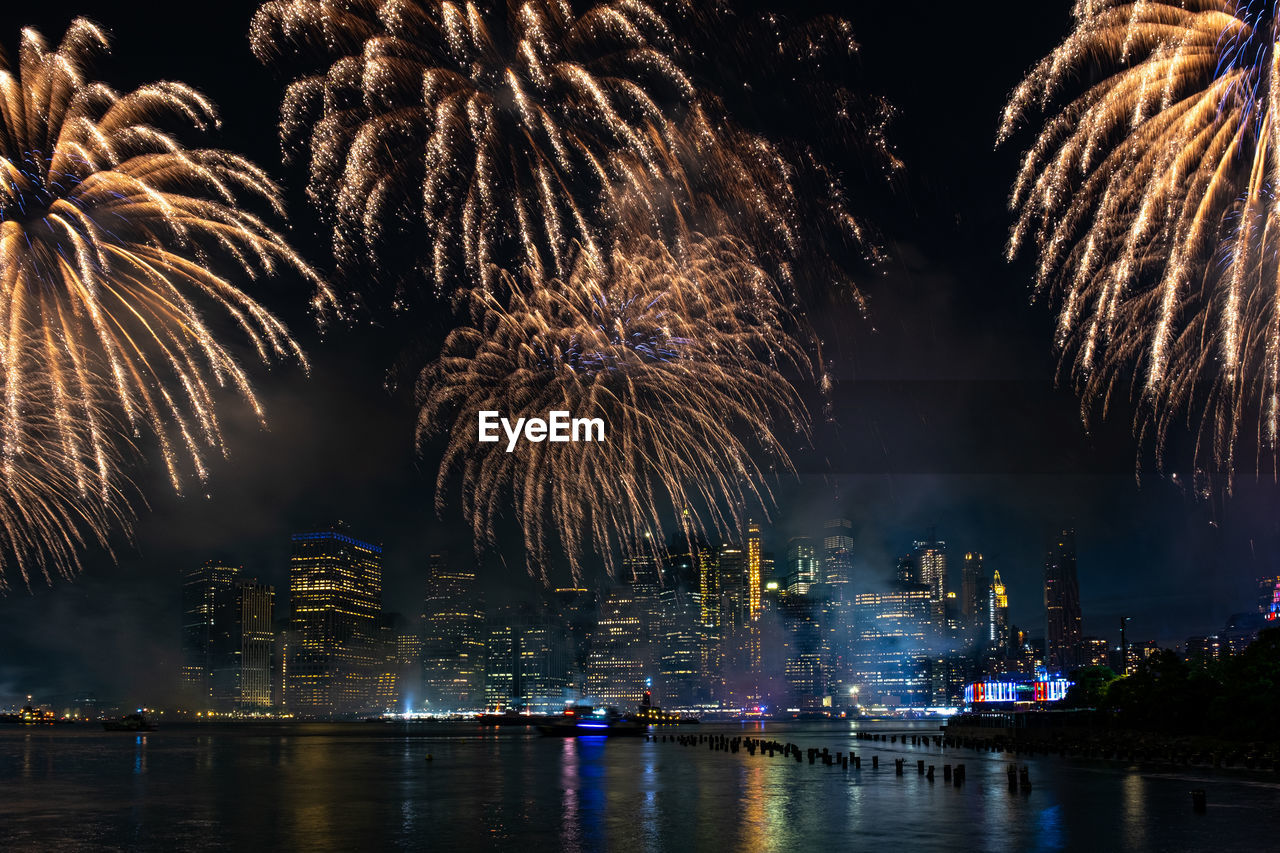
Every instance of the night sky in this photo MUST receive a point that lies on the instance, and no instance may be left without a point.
(946, 410)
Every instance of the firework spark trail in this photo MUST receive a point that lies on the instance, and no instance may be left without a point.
(507, 133)
(58, 491)
(507, 137)
(110, 232)
(680, 356)
(1150, 199)
(773, 71)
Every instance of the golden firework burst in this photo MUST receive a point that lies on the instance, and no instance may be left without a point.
(1150, 200)
(685, 360)
(112, 235)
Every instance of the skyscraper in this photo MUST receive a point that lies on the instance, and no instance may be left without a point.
(751, 639)
(930, 558)
(974, 585)
(255, 609)
(837, 556)
(335, 600)
(895, 646)
(453, 651)
(209, 635)
(755, 576)
(802, 565)
(998, 634)
(615, 668)
(1062, 605)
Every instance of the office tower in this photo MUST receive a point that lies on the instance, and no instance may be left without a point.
(615, 669)
(837, 556)
(974, 584)
(734, 607)
(802, 565)
(209, 636)
(335, 600)
(805, 654)
(577, 612)
(680, 648)
(750, 639)
(407, 654)
(501, 650)
(528, 660)
(543, 664)
(755, 575)
(1062, 605)
(692, 597)
(644, 576)
(895, 648)
(255, 610)
(904, 574)
(930, 559)
(453, 650)
(998, 635)
(393, 674)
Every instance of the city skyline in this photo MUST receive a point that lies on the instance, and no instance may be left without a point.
(785, 563)
(945, 412)
(708, 628)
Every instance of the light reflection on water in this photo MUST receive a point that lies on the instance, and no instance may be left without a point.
(367, 786)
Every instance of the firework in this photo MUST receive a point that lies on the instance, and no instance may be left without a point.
(511, 137)
(510, 134)
(680, 357)
(1150, 201)
(49, 505)
(110, 232)
(773, 71)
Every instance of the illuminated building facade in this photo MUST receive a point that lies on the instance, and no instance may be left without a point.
(210, 642)
(974, 588)
(676, 647)
(576, 609)
(998, 615)
(335, 600)
(1010, 692)
(837, 556)
(805, 651)
(895, 658)
(500, 666)
(1202, 651)
(1062, 605)
(615, 664)
(930, 559)
(453, 651)
(255, 608)
(755, 577)
(802, 565)
(705, 564)
(1095, 651)
(543, 666)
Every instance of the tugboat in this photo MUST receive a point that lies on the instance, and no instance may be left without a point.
(655, 716)
(582, 721)
(129, 723)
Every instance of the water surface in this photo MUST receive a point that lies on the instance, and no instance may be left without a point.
(369, 786)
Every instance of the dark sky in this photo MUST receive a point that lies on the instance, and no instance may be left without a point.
(947, 413)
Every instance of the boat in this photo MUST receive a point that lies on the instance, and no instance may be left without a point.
(512, 718)
(601, 722)
(129, 723)
(655, 716)
(29, 716)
